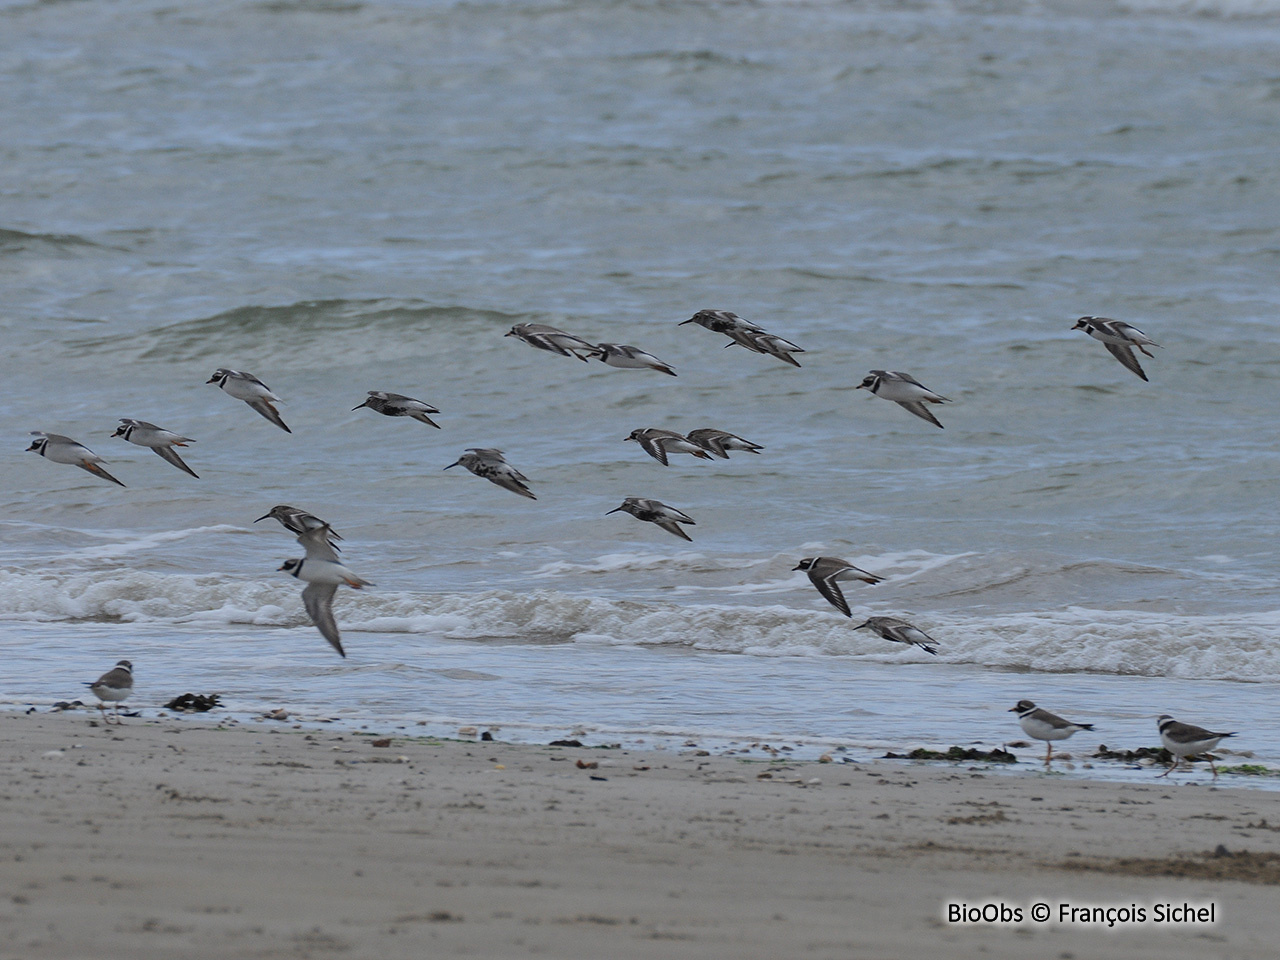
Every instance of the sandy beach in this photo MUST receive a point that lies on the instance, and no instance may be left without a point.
(178, 837)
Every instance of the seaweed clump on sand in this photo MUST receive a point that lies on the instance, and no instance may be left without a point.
(1158, 754)
(960, 754)
(194, 703)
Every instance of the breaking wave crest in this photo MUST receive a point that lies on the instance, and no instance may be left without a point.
(1073, 639)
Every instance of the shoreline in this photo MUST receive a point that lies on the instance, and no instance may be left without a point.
(164, 836)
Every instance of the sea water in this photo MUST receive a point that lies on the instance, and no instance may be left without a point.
(349, 196)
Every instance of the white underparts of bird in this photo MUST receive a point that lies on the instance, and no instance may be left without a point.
(1120, 339)
(1043, 725)
(158, 439)
(490, 464)
(629, 358)
(657, 443)
(656, 512)
(824, 572)
(298, 521)
(60, 449)
(323, 573)
(553, 339)
(1184, 740)
(247, 387)
(720, 442)
(398, 405)
(903, 390)
(900, 631)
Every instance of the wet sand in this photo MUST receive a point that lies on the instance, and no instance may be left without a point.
(173, 837)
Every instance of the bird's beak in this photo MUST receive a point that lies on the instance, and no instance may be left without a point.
(861, 625)
(283, 566)
(212, 380)
(365, 404)
(1012, 710)
(263, 517)
(797, 567)
(454, 464)
(683, 322)
(614, 510)
(34, 446)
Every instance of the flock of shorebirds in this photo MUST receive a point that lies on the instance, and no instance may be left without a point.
(323, 570)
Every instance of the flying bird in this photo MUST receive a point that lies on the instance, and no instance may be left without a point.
(546, 337)
(491, 465)
(657, 443)
(60, 449)
(656, 512)
(905, 391)
(298, 521)
(824, 572)
(1120, 339)
(398, 405)
(627, 357)
(247, 387)
(720, 442)
(158, 439)
(900, 631)
(323, 573)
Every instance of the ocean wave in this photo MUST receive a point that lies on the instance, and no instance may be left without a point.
(17, 241)
(1074, 639)
(380, 329)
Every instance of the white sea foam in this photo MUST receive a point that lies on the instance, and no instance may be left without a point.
(1128, 642)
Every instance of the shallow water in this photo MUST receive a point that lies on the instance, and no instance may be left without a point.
(356, 196)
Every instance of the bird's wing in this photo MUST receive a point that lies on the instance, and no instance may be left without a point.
(316, 542)
(318, 599)
(168, 453)
(265, 408)
(1126, 357)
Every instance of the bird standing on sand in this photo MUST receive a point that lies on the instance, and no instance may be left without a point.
(1043, 725)
(115, 686)
(1185, 741)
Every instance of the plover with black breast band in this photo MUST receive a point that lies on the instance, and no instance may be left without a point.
(904, 390)
(158, 439)
(1042, 725)
(1120, 339)
(113, 687)
(247, 387)
(1184, 741)
(60, 449)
